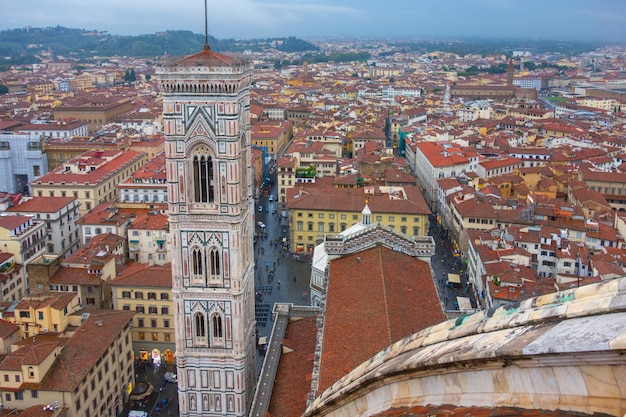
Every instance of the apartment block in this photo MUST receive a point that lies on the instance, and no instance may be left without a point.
(92, 178)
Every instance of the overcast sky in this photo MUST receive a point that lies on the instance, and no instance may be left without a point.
(535, 19)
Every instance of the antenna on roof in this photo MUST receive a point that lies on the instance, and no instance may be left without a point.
(206, 26)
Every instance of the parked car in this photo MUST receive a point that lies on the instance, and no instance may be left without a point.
(137, 413)
(170, 377)
(260, 208)
(261, 225)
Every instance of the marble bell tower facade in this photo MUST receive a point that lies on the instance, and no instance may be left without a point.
(206, 107)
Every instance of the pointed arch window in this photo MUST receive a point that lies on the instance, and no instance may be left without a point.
(218, 331)
(214, 257)
(199, 330)
(196, 261)
(203, 179)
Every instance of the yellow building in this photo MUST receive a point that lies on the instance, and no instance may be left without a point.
(150, 145)
(45, 312)
(87, 372)
(147, 290)
(316, 210)
(271, 136)
(91, 178)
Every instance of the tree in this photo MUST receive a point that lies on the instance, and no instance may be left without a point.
(3, 89)
(148, 77)
(130, 77)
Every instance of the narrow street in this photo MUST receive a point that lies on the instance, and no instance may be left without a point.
(279, 278)
(445, 262)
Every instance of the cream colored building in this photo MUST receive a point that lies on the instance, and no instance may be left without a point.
(73, 372)
(22, 236)
(12, 278)
(149, 239)
(147, 290)
(60, 215)
(91, 178)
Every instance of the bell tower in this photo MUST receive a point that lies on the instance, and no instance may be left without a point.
(206, 121)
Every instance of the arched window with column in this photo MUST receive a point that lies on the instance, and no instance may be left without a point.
(217, 329)
(203, 171)
(199, 331)
(214, 258)
(197, 262)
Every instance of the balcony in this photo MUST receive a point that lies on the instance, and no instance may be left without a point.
(7, 267)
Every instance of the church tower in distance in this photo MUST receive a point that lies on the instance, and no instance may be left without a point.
(206, 107)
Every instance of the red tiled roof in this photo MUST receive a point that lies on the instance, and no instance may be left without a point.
(293, 379)
(42, 205)
(208, 58)
(7, 328)
(80, 354)
(149, 221)
(372, 302)
(28, 355)
(438, 156)
(353, 200)
(92, 177)
(13, 221)
(141, 275)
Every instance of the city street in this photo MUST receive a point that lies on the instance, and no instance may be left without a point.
(279, 278)
(445, 262)
(163, 402)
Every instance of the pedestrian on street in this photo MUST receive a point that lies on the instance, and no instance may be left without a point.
(294, 279)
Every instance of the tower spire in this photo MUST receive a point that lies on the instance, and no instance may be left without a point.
(206, 27)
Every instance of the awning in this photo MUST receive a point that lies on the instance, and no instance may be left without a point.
(464, 303)
(454, 278)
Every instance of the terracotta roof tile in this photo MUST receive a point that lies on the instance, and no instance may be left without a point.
(371, 303)
(293, 382)
(315, 197)
(42, 205)
(83, 350)
(206, 57)
(142, 275)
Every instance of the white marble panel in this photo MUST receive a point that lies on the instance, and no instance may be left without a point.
(544, 380)
(600, 381)
(570, 381)
(582, 334)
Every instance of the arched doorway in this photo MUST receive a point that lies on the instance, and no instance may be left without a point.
(169, 356)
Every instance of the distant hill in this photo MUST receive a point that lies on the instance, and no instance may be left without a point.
(23, 46)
